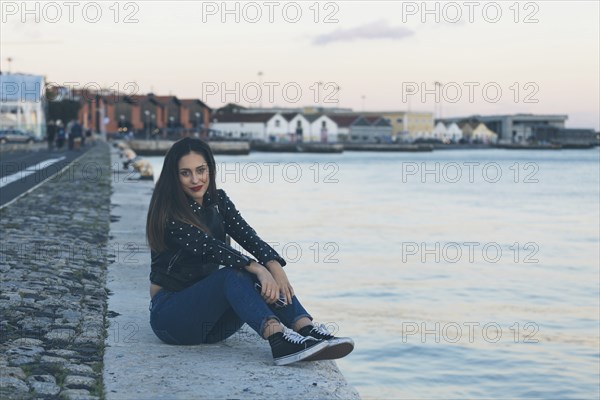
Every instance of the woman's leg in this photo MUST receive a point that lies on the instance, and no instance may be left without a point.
(190, 315)
(226, 326)
(294, 316)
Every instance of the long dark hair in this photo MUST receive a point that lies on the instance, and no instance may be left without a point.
(169, 201)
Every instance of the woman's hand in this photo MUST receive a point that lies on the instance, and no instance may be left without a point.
(281, 278)
(270, 289)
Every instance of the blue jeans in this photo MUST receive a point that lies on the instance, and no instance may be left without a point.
(215, 308)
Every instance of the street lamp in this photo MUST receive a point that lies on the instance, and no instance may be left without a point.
(319, 84)
(152, 125)
(438, 85)
(197, 114)
(409, 91)
(260, 74)
(147, 112)
(122, 129)
(171, 123)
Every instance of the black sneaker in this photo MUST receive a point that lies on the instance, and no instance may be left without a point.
(338, 347)
(288, 347)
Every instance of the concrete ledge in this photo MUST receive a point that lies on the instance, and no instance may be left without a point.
(386, 147)
(160, 147)
(137, 365)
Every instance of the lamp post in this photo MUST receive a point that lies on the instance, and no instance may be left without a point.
(171, 123)
(152, 124)
(147, 112)
(260, 74)
(197, 114)
(439, 105)
(319, 84)
(409, 91)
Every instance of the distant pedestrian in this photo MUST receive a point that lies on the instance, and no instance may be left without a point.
(75, 133)
(61, 134)
(90, 136)
(51, 134)
(202, 289)
(70, 137)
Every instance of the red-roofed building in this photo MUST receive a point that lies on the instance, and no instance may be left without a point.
(195, 115)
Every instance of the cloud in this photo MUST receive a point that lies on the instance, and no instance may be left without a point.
(375, 30)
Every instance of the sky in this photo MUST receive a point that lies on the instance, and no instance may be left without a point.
(488, 57)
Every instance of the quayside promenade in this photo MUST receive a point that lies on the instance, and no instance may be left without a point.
(74, 304)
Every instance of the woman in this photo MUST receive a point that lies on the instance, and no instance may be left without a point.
(202, 289)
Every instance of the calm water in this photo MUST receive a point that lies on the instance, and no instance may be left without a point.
(458, 273)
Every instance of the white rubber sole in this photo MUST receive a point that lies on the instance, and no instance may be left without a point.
(336, 348)
(301, 355)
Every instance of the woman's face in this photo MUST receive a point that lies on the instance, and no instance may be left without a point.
(194, 175)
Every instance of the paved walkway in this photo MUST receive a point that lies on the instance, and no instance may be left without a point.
(138, 366)
(52, 274)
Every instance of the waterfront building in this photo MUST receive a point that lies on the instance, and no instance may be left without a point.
(517, 128)
(407, 126)
(119, 113)
(285, 110)
(356, 128)
(298, 127)
(346, 124)
(447, 133)
(440, 131)
(195, 116)
(552, 134)
(150, 115)
(466, 127)
(379, 131)
(482, 134)
(323, 128)
(170, 117)
(23, 103)
(253, 126)
(453, 132)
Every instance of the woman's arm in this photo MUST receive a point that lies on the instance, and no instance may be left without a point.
(208, 249)
(270, 289)
(237, 227)
(281, 278)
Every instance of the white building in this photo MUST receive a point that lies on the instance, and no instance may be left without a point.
(482, 134)
(453, 132)
(258, 126)
(322, 129)
(440, 131)
(22, 103)
(447, 132)
(298, 127)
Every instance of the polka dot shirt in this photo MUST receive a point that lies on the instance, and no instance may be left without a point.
(211, 250)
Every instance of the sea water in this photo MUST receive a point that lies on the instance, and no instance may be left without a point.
(458, 273)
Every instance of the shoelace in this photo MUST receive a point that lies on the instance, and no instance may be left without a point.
(321, 329)
(294, 337)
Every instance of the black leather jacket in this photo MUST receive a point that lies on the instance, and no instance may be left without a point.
(192, 254)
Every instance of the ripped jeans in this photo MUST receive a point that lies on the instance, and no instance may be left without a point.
(215, 308)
